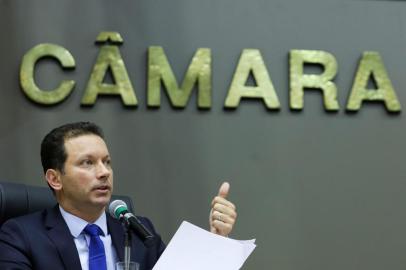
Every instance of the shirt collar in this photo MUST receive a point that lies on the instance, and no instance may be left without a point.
(76, 224)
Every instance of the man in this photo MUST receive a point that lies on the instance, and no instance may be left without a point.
(78, 169)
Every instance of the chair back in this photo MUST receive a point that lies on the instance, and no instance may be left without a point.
(20, 199)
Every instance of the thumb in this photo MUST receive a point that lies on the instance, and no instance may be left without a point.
(224, 189)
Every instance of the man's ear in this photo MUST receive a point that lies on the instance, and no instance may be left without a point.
(53, 178)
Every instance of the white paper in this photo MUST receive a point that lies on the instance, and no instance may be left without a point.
(193, 248)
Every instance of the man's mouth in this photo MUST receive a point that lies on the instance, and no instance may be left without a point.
(102, 188)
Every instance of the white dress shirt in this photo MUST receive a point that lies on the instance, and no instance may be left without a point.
(82, 240)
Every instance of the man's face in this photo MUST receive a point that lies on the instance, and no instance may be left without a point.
(87, 181)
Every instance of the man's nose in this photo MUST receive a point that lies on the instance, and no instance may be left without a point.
(103, 171)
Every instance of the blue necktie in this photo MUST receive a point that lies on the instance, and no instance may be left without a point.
(97, 256)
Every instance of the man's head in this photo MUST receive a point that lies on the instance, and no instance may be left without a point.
(77, 167)
(53, 153)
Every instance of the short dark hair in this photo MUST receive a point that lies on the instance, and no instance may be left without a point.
(53, 153)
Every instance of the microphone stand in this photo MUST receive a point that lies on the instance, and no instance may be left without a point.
(127, 246)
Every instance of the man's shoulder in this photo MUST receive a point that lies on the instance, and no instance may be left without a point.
(29, 221)
(33, 241)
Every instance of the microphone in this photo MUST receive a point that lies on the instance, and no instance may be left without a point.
(118, 209)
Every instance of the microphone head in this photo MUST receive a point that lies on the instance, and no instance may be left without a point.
(117, 207)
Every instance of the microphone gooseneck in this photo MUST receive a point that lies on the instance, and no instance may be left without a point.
(118, 209)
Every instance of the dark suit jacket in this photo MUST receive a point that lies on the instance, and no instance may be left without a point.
(42, 241)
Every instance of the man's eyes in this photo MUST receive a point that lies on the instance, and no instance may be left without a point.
(89, 162)
(86, 162)
(107, 162)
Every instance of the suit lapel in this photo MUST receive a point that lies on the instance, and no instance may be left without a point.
(60, 235)
(117, 236)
